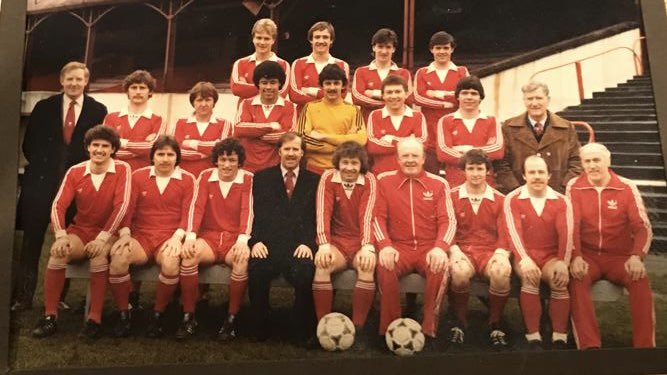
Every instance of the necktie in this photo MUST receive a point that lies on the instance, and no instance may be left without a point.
(68, 127)
(289, 183)
(539, 129)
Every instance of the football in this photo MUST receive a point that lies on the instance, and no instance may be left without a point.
(404, 337)
(335, 331)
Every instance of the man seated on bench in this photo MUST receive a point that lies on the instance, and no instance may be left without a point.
(153, 229)
(414, 228)
(540, 225)
(101, 189)
(615, 235)
(283, 239)
(480, 247)
(219, 225)
(345, 202)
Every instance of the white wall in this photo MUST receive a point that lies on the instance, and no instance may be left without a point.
(503, 90)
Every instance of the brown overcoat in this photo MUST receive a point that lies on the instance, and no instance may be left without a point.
(559, 146)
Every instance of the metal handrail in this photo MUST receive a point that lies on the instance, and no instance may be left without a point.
(588, 127)
(634, 54)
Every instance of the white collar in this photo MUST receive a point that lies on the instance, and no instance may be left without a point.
(258, 101)
(193, 120)
(311, 59)
(237, 180)
(110, 169)
(361, 180)
(148, 113)
(432, 67)
(480, 115)
(488, 193)
(551, 194)
(78, 101)
(272, 57)
(283, 170)
(176, 174)
(373, 66)
(407, 113)
(542, 121)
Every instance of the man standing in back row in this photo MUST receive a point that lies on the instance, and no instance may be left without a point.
(538, 132)
(53, 142)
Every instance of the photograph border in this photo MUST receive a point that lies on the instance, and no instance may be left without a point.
(608, 361)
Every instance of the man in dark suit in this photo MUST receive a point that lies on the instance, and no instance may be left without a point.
(283, 237)
(53, 142)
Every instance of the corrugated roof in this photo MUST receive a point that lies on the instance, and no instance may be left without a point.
(48, 6)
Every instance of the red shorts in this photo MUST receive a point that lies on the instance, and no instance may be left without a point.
(220, 243)
(478, 256)
(347, 247)
(542, 257)
(85, 234)
(151, 241)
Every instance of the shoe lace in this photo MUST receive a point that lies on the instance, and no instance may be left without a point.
(457, 335)
(498, 336)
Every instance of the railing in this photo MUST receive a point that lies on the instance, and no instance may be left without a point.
(588, 127)
(637, 59)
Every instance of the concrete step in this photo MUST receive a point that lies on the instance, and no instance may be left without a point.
(657, 215)
(639, 99)
(638, 147)
(624, 94)
(626, 135)
(631, 89)
(632, 158)
(656, 200)
(607, 107)
(659, 245)
(600, 116)
(659, 229)
(655, 188)
(641, 172)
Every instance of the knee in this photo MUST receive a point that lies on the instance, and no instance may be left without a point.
(189, 262)
(240, 268)
(120, 263)
(461, 273)
(170, 266)
(322, 272)
(499, 273)
(366, 275)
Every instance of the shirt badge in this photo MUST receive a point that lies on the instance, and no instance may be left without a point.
(370, 84)
(455, 132)
(428, 195)
(612, 204)
(491, 140)
(210, 196)
(143, 193)
(79, 190)
(305, 78)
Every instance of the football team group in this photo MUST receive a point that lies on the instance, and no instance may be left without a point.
(304, 184)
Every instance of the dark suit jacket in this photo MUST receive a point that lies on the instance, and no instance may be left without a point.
(559, 146)
(43, 144)
(281, 223)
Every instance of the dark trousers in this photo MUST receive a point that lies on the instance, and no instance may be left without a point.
(299, 273)
(34, 209)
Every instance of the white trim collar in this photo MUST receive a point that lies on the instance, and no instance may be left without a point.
(258, 101)
(407, 113)
(373, 66)
(176, 174)
(336, 178)
(488, 193)
(148, 113)
(237, 180)
(110, 169)
(432, 67)
(551, 194)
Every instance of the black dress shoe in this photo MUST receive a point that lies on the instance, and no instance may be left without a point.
(228, 330)
(46, 327)
(188, 327)
(155, 329)
(123, 326)
(91, 330)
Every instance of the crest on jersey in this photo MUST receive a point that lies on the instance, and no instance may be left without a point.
(143, 193)
(306, 77)
(210, 196)
(428, 195)
(79, 190)
(612, 204)
(187, 136)
(491, 140)
(370, 84)
(455, 132)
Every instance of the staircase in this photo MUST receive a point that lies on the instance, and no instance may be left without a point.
(625, 121)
